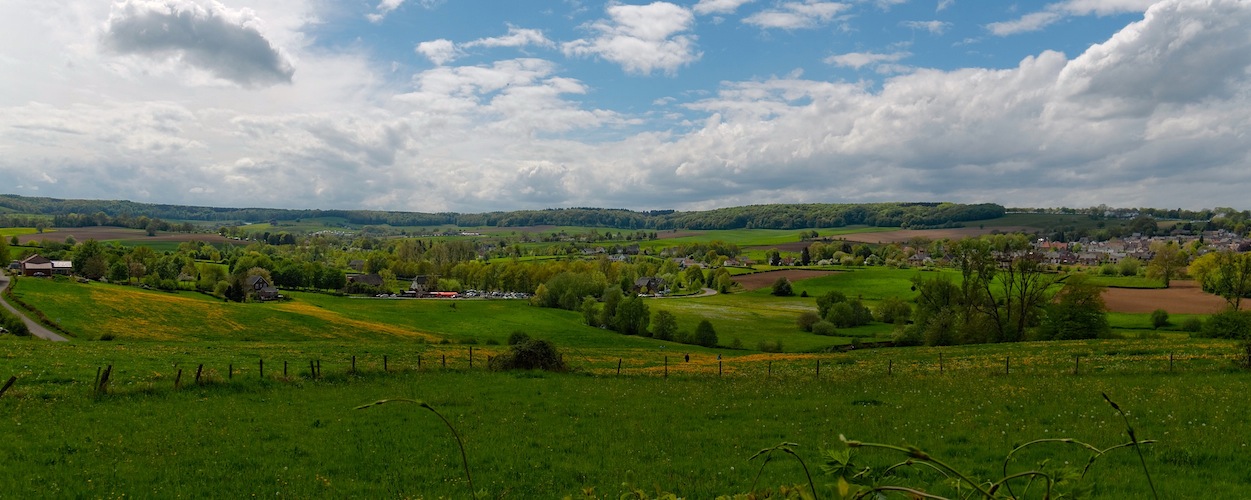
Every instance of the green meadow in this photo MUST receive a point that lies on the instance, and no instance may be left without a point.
(634, 416)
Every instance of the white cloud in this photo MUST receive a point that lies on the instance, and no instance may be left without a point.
(857, 60)
(516, 37)
(1034, 21)
(1156, 115)
(797, 15)
(934, 27)
(1052, 13)
(641, 38)
(705, 7)
(441, 51)
(944, 4)
(226, 43)
(385, 7)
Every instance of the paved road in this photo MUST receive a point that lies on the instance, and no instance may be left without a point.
(36, 329)
(707, 292)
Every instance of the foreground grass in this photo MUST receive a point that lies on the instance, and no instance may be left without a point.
(547, 435)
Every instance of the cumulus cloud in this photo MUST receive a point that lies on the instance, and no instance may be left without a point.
(641, 38)
(441, 51)
(226, 43)
(705, 7)
(1036, 21)
(516, 37)
(944, 4)
(797, 15)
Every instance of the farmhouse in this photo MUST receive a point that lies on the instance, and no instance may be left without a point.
(261, 288)
(648, 285)
(36, 265)
(420, 285)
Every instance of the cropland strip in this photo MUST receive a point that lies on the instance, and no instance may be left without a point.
(1181, 297)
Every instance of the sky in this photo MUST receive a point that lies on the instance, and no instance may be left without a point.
(473, 106)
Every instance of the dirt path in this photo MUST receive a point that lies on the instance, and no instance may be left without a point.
(36, 329)
(707, 292)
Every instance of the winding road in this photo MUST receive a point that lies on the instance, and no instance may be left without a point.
(36, 329)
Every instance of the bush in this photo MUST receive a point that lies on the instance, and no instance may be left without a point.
(1159, 318)
(894, 310)
(1192, 325)
(705, 335)
(825, 328)
(782, 287)
(13, 324)
(1227, 325)
(531, 355)
(806, 319)
(518, 337)
(849, 314)
(770, 346)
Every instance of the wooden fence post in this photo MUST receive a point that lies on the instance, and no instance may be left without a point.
(940, 362)
(718, 368)
(666, 366)
(770, 368)
(890, 367)
(384, 364)
(96, 385)
(199, 370)
(818, 369)
(262, 365)
(1007, 365)
(284, 369)
(1170, 361)
(471, 357)
(178, 379)
(230, 371)
(353, 364)
(445, 360)
(618, 367)
(8, 384)
(418, 362)
(1077, 363)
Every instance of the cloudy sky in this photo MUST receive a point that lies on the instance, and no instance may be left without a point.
(470, 106)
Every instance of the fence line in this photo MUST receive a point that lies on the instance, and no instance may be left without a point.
(836, 366)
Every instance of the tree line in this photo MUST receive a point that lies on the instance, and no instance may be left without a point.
(777, 216)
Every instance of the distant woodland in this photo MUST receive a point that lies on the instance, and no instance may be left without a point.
(29, 211)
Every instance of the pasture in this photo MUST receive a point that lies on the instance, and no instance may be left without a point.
(592, 433)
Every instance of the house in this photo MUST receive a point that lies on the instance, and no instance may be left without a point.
(36, 265)
(649, 285)
(421, 285)
(261, 289)
(63, 267)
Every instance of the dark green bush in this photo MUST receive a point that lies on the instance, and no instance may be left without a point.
(532, 354)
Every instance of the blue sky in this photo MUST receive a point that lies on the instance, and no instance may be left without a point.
(430, 105)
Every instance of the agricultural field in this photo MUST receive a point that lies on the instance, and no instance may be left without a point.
(163, 241)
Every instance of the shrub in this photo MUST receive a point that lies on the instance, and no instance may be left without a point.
(13, 324)
(664, 325)
(705, 335)
(828, 300)
(1227, 325)
(806, 319)
(1159, 318)
(770, 346)
(518, 337)
(894, 310)
(824, 328)
(492, 342)
(532, 354)
(849, 314)
(737, 343)
(782, 287)
(469, 341)
(1192, 324)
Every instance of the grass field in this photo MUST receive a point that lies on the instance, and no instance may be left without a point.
(551, 435)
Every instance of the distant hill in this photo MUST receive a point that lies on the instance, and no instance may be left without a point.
(778, 216)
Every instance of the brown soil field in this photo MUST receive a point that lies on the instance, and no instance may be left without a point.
(104, 233)
(762, 280)
(1181, 297)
